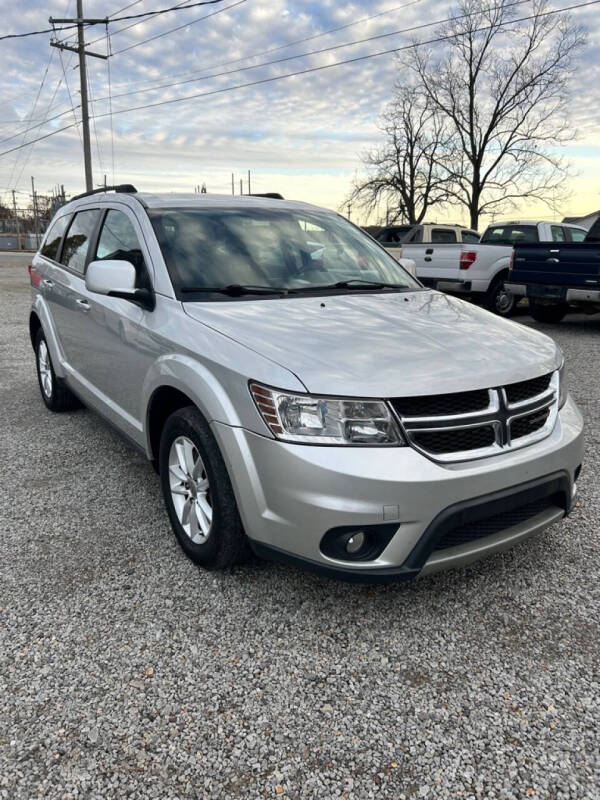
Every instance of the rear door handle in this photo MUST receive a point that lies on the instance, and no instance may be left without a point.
(47, 282)
(553, 260)
(429, 251)
(427, 258)
(83, 305)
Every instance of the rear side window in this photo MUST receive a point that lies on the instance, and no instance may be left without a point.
(54, 237)
(76, 244)
(443, 236)
(558, 234)
(119, 240)
(576, 235)
(470, 237)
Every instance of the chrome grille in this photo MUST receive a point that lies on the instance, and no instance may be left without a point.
(475, 424)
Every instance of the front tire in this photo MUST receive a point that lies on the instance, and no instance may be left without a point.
(547, 313)
(197, 491)
(55, 393)
(499, 301)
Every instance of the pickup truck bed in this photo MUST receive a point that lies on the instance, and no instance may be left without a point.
(555, 277)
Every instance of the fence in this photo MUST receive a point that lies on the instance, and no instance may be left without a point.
(23, 228)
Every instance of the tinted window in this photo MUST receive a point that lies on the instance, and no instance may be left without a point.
(576, 235)
(470, 237)
(443, 236)
(118, 240)
(510, 234)
(558, 234)
(78, 239)
(270, 248)
(54, 237)
(394, 235)
(594, 232)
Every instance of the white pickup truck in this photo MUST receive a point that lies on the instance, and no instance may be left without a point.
(454, 259)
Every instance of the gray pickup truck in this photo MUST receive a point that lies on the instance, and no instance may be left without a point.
(297, 390)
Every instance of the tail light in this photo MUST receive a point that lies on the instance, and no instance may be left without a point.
(34, 277)
(467, 257)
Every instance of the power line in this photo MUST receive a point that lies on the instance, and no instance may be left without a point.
(34, 33)
(178, 7)
(292, 58)
(309, 70)
(135, 3)
(178, 28)
(297, 41)
(322, 50)
(35, 102)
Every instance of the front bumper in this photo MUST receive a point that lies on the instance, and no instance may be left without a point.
(290, 495)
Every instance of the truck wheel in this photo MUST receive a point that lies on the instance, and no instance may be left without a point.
(198, 492)
(500, 301)
(55, 394)
(547, 313)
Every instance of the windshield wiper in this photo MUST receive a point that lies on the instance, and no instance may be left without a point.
(353, 283)
(235, 289)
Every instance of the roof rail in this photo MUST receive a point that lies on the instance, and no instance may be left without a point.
(271, 195)
(125, 188)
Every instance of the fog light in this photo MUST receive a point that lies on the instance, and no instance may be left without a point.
(355, 543)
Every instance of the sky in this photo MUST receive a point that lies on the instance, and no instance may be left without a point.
(302, 136)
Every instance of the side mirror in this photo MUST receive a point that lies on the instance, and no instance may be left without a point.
(116, 279)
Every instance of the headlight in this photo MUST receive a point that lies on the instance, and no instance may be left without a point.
(326, 420)
(563, 385)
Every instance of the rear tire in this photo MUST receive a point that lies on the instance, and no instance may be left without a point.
(54, 391)
(198, 494)
(547, 313)
(498, 300)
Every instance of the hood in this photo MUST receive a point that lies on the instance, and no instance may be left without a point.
(384, 345)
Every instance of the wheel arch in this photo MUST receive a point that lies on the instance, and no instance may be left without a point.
(163, 402)
(34, 325)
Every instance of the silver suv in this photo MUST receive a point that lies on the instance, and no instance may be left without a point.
(299, 393)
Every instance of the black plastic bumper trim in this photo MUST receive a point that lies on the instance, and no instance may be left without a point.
(556, 484)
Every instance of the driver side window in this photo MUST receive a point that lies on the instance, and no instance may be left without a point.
(118, 240)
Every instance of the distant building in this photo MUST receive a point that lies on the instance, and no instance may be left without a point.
(586, 222)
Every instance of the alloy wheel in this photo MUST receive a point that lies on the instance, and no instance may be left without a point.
(45, 369)
(190, 489)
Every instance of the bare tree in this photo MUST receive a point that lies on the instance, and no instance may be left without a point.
(501, 87)
(404, 175)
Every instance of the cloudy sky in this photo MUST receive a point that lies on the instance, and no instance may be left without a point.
(301, 136)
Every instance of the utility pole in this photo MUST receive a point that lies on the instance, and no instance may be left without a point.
(82, 52)
(17, 221)
(249, 189)
(232, 183)
(35, 214)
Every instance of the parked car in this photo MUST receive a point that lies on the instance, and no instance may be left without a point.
(318, 407)
(478, 271)
(558, 277)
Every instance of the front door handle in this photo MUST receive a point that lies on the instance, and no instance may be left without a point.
(83, 305)
(427, 258)
(552, 260)
(429, 251)
(47, 282)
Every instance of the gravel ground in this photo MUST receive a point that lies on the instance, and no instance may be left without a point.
(125, 671)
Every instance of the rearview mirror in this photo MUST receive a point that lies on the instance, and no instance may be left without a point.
(117, 279)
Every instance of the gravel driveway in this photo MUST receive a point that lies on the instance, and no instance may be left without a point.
(125, 671)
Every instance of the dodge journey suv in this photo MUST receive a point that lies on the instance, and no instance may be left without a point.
(298, 391)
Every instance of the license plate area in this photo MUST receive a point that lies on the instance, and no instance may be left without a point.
(546, 292)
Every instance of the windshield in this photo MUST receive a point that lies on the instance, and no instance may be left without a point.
(267, 249)
(510, 234)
